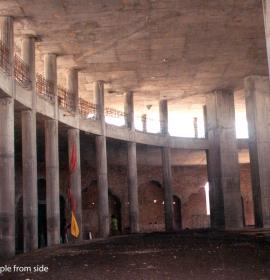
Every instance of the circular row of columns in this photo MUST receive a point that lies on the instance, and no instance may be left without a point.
(29, 158)
(222, 161)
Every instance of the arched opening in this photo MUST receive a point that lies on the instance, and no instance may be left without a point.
(177, 213)
(90, 210)
(195, 210)
(243, 211)
(63, 220)
(42, 217)
(19, 226)
(151, 207)
(115, 208)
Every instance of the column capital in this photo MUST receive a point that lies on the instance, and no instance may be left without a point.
(31, 36)
(99, 82)
(51, 54)
(222, 90)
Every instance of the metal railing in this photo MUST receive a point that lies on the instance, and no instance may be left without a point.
(156, 125)
(115, 117)
(4, 59)
(87, 109)
(45, 88)
(65, 99)
(21, 72)
(113, 113)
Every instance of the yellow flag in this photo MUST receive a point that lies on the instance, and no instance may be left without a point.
(74, 226)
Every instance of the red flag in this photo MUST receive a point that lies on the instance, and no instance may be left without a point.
(73, 159)
(72, 167)
(71, 200)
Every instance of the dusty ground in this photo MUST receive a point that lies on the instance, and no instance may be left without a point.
(186, 255)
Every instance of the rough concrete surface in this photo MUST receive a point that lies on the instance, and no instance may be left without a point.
(186, 255)
(159, 49)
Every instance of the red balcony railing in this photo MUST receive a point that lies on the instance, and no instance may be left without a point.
(87, 109)
(4, 58)
(65, 99)
(21, 72)
(45, 88)
(113, 113)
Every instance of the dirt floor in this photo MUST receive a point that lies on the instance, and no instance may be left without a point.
(186, 255)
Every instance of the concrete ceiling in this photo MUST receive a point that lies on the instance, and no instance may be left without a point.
(172, 49)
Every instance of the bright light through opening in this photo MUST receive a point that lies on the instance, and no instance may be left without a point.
(181, 124)
(241, 125)
(206, 189)
(115, 121)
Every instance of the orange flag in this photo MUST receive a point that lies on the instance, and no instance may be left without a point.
(74, 229)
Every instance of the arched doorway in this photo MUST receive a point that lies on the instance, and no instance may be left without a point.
(194, 211)
(243, 211)
(115, 208)
(151, 207)
(63, 219)
(177, 213)
(90, 209)
(42, 216)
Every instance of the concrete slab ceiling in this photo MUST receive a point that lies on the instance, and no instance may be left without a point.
(177, 50)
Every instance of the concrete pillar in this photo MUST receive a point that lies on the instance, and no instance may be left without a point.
(50, 73)
(7, 35)
(52, 182)
(223, 167)
(29, 174)
(144, 123)
(258, 114)
(195, 124)
(7, 179)
(163, 116)
(132, 168)
(166, 167)
(205, 121)
(50, 67)
(167, 182)
(75, 176)
(28, 56)
(266, 13)
(129, 111)
(101, 162)
(29, 155)
(72, 87)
